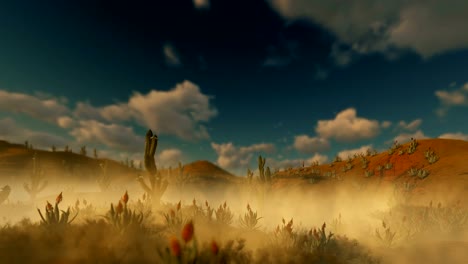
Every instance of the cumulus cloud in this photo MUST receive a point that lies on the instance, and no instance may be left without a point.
(449, 99)
(347, 126)
(413, 125)
(65, 122)
(232, 157)
(169, 157)
(178, 112)
(344, 154)
(112, 135)
(40, 107)
(406, 137)
(386, 124)
(458, 135)
(14, 133)
(171, 55)
(428, 27)
(310, 145)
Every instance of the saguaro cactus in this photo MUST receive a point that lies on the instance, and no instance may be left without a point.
(37, 183)
(261, 168)
(156, 186)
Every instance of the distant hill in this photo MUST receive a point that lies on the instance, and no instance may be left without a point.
(16, 160)
(447, 179)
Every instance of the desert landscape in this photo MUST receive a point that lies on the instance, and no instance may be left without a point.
(404, 205)
(234, 132)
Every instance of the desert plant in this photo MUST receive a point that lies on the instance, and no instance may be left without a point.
(431, 156)
(250, 175)
(412, 147)
(337, 159)
(83, 151)
(385, 236)
(250, 219)
(423, 173)
(380, 169)
(37, 183)
(54, 149)
(320, 240)
(123, 218)
(224, 215)
(413, 171)
(368, 173)
(53, 218)
(364, 162)
(95, 154)
(394, 147)
(388, 166)
(4, 193)
(156, 186)
(104, 180)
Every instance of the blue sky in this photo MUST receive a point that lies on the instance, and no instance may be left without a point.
(225, 81)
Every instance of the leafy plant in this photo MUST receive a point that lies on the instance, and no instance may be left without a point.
(224, 215)
(250, 219)
(412, 146)
(37, 183)
(55, 218)
(385, 236)
(123, 218)
(431, 156)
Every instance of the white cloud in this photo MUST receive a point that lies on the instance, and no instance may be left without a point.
(406, 137)
(386, 124)
(428, 27)
(171, 55)
(348, 127)
(457, 135)
(178, 112)
(201, 4)
(112, 135)
(344, 154)
(12, 132)
(65, 122)
(232, 157)
(413, 125)
(40, 107)
(310, 145)
(449, 99)
(169, 157)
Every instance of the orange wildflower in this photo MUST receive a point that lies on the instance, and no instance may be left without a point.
(125, 197)
(187, 232)
(58, 199)
(49, 207)
(214, 247)
(119, 208)
(176, 249)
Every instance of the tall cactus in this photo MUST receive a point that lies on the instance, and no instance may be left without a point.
(156, 186)
(261, 168)
(37, 183)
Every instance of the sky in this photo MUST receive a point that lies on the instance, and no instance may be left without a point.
(228, 80)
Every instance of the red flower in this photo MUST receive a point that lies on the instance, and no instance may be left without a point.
(176, 249)
(125, 197)
(187, 232)
(214, 247)
(58, 199)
